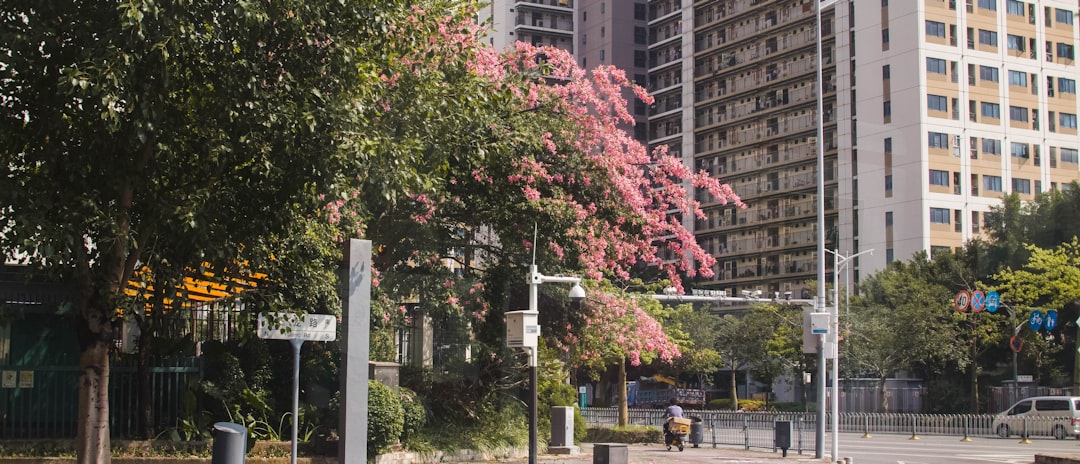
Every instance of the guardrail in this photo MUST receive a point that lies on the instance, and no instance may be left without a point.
(756, 429)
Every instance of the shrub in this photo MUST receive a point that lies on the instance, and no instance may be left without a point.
(745, 405)
(385, 418)
(414, 415)
(628, 434)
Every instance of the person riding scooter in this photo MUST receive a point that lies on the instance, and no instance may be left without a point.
(675, 426)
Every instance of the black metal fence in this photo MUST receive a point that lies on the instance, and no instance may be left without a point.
(48, 408)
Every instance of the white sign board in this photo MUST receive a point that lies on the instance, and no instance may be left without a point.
(289, 326)
(1025, 378)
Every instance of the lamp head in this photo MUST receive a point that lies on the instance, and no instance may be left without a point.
(577, 293)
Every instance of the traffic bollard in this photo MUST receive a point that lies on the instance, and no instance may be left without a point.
(230, 443)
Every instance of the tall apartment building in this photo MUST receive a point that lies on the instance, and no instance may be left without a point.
(539, 22)
(920, 112)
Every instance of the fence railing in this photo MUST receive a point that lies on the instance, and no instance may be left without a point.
(756, 429)
(49, 409)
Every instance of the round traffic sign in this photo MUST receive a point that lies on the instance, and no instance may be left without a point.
(1035, 320)
(963, 298)
(993, 300)
(978, 301)
(1051, 320)
(1016, 343)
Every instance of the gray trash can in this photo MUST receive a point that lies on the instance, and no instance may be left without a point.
(230, 444)
(697, 431)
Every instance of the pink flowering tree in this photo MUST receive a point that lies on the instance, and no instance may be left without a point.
(513, 153)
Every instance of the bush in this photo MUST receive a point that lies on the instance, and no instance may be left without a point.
(745, 405)
(414, 414)
(628, 434)
(555, 393)
(385, 418)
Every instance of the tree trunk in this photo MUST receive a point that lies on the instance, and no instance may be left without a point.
(884, 393)
(734, 390)
(93, 425)
(146, 410)
(974, 366)
(624, 408)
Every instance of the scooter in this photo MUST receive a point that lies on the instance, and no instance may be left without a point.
(676, 432)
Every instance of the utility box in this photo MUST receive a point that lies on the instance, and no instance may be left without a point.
(782, 436)
(522, 329)
(562, 431)
(610, 453)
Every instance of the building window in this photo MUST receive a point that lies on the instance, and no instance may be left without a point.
(988, 37)
(992, 183)
(640, 58)
(641, 11)
(1015, 42)
(991, 146)
(1020, 150)
(991, 110)
(989, 73)
(937, 103)
(887, 110)
(935, 29)
(939, 216)
(1018, 78)
(1067, 120)
(602, 54)
(1066, 51)
(935, 65)
(888, 184)
(939, 177)
(988, 4)
(888, 219)
(1014, 7)
(1066, 85)
(1021, 185)
(1069, 155)
(888, 145)
(1063, 16)
(885, 39)
(938, 140)
(641, 35)
(886, 72)
(1018, 114)
(889, 255)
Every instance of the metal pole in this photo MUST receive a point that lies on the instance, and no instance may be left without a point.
(1016, 376)
(533, 306)
(819, 438)
(834, 335)
(296, 343)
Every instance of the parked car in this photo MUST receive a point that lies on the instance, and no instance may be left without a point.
(1057, 416)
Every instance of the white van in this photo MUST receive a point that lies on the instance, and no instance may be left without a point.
(1057, 416)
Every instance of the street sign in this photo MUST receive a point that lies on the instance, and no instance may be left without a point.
(1016, 343)
(978, 301)
(1051, 320)
(1025, 378)
(963, 298)
(1036, 320)
(993, 300)
(289, 326)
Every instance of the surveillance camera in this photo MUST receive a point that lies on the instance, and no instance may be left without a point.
(577, 293)
(746, 292)
(757, 293)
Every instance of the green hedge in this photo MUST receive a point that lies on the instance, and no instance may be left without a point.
(385, 418)
(629, 434)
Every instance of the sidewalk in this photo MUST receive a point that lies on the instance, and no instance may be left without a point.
(657, 454)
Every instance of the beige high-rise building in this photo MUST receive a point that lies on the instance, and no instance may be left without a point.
(932, 110)
(539, 22)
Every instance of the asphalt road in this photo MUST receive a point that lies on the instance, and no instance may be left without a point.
(879, 449)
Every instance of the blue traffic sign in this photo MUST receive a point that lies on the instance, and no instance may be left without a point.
(1051, 320)
(978, 301)
(993, 300)
(1036, 320)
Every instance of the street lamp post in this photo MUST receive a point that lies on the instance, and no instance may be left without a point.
(839, 262)
(819, 438)
(534, 279)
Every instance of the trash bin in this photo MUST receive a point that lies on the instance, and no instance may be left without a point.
(697, 431)
(230, 443)
(782, 436)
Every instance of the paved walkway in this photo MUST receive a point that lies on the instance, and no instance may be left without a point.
(657, 454)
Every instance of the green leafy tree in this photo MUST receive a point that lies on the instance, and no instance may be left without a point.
(1049, 279)
(741, 343)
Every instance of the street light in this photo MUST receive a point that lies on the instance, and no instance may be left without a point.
(819, 438)
(534, 279)
(839, 262)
